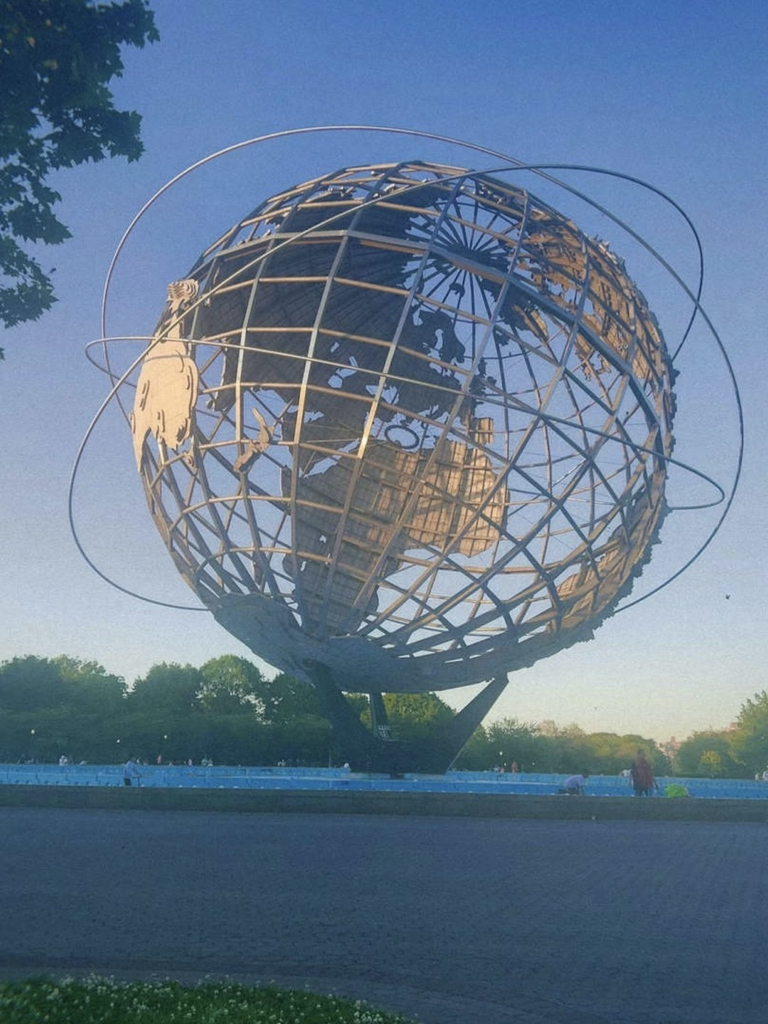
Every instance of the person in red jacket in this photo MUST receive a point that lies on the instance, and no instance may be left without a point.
(641, 774)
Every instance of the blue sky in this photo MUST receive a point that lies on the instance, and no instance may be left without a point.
(671, 92)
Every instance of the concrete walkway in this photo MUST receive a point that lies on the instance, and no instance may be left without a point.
(451, 920)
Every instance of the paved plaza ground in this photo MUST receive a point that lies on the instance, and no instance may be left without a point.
(450, 920)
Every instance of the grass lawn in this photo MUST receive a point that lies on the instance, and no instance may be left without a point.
(97, 1000)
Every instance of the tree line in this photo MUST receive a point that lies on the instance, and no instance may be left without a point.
(228, 712)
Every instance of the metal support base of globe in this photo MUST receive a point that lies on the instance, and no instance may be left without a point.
(373, 751)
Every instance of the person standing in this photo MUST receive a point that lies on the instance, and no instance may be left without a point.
(130, 772)
(641, 773)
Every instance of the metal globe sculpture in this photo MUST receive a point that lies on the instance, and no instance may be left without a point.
(405, 427)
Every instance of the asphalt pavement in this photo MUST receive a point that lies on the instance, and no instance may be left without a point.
(447, 920)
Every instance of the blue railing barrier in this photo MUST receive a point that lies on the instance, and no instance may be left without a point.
(251, 777)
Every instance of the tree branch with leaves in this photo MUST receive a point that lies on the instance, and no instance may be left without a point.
(57, 58)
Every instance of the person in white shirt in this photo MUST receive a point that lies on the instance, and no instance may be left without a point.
(574, 785)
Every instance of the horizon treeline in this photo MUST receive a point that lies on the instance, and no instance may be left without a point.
(226, 711)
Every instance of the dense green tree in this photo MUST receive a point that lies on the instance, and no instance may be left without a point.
(91, 688)
(708, 753)
(610, 754)
(309, 740)
(226, 711)
(230, 684)
(426, 708)
(55, 706)
(565, 750)
(749, 739)
(30, 683)
(412, 717)
(167, 689)
(288, 699)
(711, 763)
(57, 58)
(549, 748)
(508, 741)
(538, 748)
(43, 735)
(473, 755)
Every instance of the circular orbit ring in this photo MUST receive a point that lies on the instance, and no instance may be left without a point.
(510, 164)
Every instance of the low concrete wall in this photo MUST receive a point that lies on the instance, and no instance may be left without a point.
(474, 805)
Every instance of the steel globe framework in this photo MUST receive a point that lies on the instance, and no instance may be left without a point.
(405, 427)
